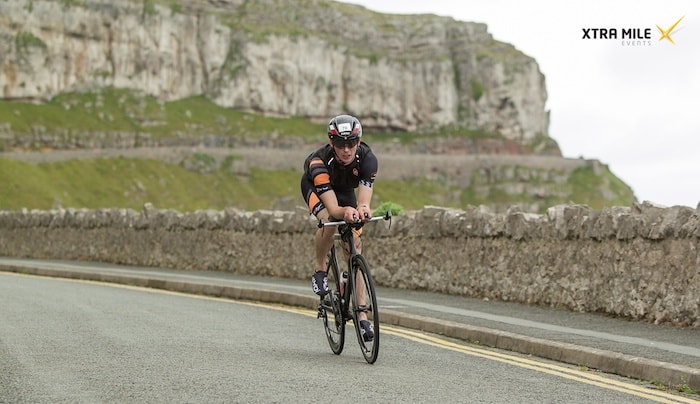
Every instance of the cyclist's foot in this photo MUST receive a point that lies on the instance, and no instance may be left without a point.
(319, 283)
(367, 330)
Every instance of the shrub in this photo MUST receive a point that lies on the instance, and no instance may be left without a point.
(392, 207)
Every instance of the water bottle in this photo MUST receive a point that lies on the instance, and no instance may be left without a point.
(343, 282)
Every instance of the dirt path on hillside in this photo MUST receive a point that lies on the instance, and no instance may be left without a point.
(392, 165)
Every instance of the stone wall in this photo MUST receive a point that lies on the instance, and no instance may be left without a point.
(640, 262)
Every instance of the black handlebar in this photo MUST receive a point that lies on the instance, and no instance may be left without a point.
(321, 223)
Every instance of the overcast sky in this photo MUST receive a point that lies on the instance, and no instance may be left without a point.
(634, 108)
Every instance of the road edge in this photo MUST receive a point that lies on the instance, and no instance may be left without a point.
(668, 374)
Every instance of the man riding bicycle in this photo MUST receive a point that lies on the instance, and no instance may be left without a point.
(331, 175)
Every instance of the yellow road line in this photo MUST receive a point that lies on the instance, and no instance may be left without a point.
(427, 339)
(552, 369)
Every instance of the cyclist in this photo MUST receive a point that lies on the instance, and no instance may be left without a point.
(331, 175)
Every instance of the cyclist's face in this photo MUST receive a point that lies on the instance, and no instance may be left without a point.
(345, 150)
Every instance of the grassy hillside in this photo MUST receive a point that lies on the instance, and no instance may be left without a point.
(122, 182)
(129, 183)
(70, 116)
(113, 110)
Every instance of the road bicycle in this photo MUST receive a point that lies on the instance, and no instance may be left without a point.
(351, 292)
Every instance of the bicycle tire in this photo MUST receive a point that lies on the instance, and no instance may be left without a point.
(370, 349)
(333, 321)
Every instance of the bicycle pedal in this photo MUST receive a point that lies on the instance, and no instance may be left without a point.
(321, 312)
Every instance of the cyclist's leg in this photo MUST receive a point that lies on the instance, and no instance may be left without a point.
(357, 233)
(359, 281)
(360, 285)
(323, 239)
(348, 198)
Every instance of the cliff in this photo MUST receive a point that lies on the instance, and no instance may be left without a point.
(308, 58)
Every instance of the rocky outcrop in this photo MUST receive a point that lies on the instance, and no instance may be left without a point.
(307, 58)
(640, 262)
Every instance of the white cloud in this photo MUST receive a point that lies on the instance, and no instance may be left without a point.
(633, 108)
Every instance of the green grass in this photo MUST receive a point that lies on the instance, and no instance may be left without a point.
(74, 115)
(127, 111)
(586, 187)
(414, 194)
(199, 183)
(120, 182)
(129, 183)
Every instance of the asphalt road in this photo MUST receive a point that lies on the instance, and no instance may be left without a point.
(85, 342)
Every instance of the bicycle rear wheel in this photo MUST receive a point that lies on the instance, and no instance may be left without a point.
(364, 300)
(333, 321)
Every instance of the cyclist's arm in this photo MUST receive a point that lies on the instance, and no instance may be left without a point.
(364, 197)
(322, 183)
(330, 201)
(368, 170)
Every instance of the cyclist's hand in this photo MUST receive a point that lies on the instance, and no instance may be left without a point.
(365, 212)
(351, 215)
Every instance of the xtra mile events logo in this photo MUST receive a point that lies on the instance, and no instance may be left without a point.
(633, 36)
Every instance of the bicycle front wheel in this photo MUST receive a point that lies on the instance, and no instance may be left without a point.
(364, 307)
(333, 321)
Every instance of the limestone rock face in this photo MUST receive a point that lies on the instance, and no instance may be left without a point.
(307, 58)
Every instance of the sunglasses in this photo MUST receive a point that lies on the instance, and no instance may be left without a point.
(343, 143)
